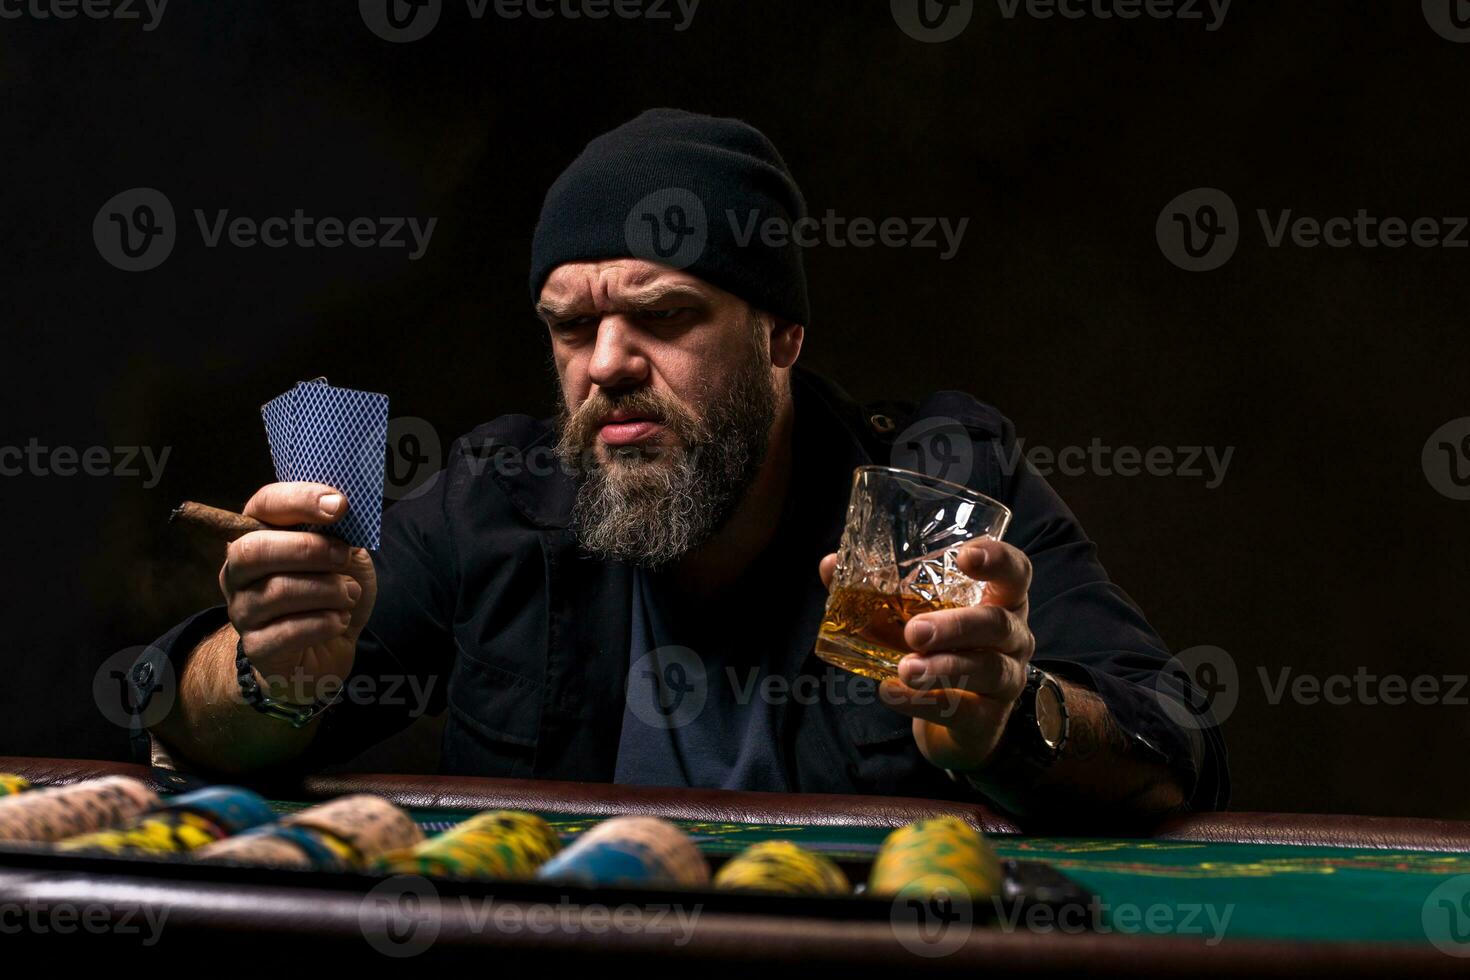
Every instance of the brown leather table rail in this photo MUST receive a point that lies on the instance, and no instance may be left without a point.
(479, 793)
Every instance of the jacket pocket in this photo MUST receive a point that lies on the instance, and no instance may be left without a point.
(494, 723)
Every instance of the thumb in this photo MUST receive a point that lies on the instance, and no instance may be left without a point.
(826, 569)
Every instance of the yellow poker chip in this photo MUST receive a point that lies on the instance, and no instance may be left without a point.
(941, 853)
(494, 844)
(11, 784)
(781, 866)
(163, 832)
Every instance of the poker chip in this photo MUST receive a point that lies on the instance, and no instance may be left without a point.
(494, 844)
(185, 823)
(934, 856)
(341, 835)
(279, 846)
(630, 850)
(11, 784)
(781, 866)
(369, 824)
(56, 813)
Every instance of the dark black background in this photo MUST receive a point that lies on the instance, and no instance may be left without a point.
(1326, 548)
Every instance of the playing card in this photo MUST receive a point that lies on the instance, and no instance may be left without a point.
(337, 436)
(280, 429)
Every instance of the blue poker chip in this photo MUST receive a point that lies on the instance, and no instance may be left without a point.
(233, 808)
(603, 863)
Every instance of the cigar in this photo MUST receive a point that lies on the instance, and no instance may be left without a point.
(224, 525)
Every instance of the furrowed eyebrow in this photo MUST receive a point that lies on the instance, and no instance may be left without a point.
(658, 295)
(644, 299)
(551, 310)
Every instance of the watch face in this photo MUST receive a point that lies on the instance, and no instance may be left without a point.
(1049, 717)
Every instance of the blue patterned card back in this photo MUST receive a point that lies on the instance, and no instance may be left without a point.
(337, 436)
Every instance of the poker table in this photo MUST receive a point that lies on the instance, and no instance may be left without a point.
(1204, 894)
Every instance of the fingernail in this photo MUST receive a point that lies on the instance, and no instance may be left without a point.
(339, 553)
(922, 632)
(977, 555)
(346, 619)
(330, 503)
(912, 671)
(354, 591)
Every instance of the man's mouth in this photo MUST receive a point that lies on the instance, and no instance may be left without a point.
(627, 428)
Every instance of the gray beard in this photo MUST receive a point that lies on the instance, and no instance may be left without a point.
(651, 510)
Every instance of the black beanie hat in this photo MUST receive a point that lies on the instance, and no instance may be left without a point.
(684, 190)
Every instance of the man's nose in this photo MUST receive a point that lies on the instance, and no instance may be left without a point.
(618, 360)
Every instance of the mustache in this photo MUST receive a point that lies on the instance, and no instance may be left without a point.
(579, 428)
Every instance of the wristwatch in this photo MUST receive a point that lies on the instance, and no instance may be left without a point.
(297, 715)
(1033, 737)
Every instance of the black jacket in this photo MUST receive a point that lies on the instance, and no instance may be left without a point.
(484, 591)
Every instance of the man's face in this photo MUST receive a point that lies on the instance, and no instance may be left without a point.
(668, 399)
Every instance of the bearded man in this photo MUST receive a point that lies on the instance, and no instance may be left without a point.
(631, 592)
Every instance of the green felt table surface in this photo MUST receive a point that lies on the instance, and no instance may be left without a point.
(1216, 892)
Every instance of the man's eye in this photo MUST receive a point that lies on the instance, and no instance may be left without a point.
(663, 315)
(576, 323)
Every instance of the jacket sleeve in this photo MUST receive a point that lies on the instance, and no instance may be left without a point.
(1087, 629)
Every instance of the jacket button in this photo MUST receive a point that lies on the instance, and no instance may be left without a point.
(143, 675)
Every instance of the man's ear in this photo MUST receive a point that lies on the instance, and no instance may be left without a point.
(786, 340)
